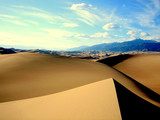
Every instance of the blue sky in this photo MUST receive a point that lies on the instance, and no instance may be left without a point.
(62, 24)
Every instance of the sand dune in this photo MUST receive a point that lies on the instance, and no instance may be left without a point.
(89, 102)
(40, 81)
(144, 69)
(27, 75)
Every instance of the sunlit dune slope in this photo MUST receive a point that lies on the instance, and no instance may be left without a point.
(89, 102)
(28, 75)
(144, 68)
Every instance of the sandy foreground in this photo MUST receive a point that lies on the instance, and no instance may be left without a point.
(40, 86)
(95, 101)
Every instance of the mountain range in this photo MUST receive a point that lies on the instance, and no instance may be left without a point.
(6, 51)
(134, 45)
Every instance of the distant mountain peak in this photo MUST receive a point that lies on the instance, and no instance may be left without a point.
(133, 45)
(138, 39)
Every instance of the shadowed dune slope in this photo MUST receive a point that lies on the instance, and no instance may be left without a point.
(144, 68)
(28, 75)
(111, 61)
(133, 107)
(89, 102)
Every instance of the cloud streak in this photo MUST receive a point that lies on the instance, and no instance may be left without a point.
(27, 8)
(133, 34)
(143, 34)
(101, 35)
(19, 23)
(111, 26)
(70, 25)
(150, 10)
(33, 12)
(95, 36)
(7, 16)
(86, 13)
(32, 22)
(81, 6)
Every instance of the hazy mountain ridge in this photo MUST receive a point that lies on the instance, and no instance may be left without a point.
(134, 45)
(77, 48)
(99, 51)
(6, 51)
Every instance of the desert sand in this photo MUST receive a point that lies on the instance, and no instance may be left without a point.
(144, 69)
(38, 86)
(89, 102)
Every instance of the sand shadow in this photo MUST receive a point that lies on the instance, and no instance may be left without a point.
(151, 94)
(133, 107)
(117, 59)
(111, 61)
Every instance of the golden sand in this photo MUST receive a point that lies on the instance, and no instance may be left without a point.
(39, 86)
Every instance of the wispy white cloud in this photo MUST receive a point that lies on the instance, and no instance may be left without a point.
(29, 11)
(16, 20)
(70, 25)
(143, 34)
(147, 36)
(51, 22)
(19, 23)
(7, 16)
(117, 20)
(95, 36)
(152, 38)
(86, 21)
(86, 13)
(57, 33)
(93, 16)
(46, 16)
(28, 8)
(81, 6)
(111, 26)
(133, 34)
(150, 10)
(32, 22)
(84, 36)
(12, 19)
(101, 35)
